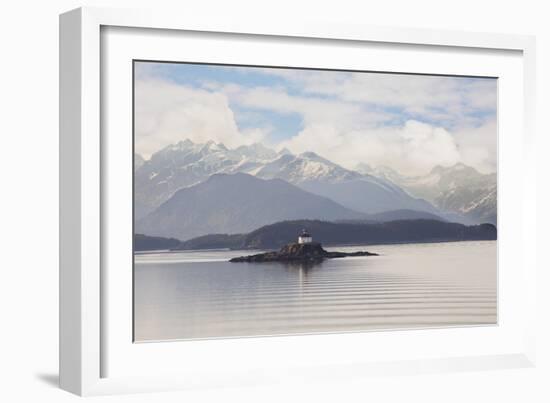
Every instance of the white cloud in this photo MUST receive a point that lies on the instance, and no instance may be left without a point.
(348, 132)
(429, 97)
(346, 117)
(412, 149)
(166, 113)
(478, 146)
(312, 110)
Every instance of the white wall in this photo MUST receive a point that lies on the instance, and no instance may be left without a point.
(28, 228)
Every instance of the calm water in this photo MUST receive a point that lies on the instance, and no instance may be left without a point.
(200, 294)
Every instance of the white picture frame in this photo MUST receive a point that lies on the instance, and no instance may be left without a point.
(86, 346)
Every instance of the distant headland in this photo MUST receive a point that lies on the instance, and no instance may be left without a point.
(275, 236)
(305, 250)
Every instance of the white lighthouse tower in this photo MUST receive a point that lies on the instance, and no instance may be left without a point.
(304, 237)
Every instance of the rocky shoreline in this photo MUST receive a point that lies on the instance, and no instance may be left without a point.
(296, 252)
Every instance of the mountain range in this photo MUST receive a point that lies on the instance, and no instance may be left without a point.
(399, 231)
(274, 236)
(461, 193)
(186, 164)
(188, 189)
(237, 203)
(362, 192)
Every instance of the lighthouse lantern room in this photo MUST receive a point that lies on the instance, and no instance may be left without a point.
(304, 237)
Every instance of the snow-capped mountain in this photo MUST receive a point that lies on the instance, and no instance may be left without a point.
(256, 152)
(360, 192)
(237, 203)
(304, 167)
(186, 164)
(457, 190)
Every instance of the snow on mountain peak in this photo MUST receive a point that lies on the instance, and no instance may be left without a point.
(364, 168)
(256, 151)
(284, 151)
(311, 156)
(186, 143)
(222, 146)
(305, 167)
(209, 145)
(459, 166)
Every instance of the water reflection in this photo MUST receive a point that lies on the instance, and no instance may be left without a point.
(202, 295)
(302, 270)
(302, 266)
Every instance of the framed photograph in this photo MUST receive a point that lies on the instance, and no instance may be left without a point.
(242, 203)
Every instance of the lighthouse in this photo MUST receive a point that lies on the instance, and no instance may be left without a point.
(304, 237)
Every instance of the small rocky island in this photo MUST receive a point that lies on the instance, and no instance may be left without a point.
(305, 250)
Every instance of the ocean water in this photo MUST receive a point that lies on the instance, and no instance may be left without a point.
(199, 294)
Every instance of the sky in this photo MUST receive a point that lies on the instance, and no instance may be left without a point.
(410, 123)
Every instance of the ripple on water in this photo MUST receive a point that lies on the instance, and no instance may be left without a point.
(202, 295)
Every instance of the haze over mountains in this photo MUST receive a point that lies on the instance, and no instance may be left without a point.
(186, 164)
(237, 203)
(188, 189)
(460, 192)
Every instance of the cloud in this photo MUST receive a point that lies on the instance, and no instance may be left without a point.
(349, 132)
(167, 112)
(408, 122)
(313, 110)
(449, 100)
(412, 149)
(478, 146)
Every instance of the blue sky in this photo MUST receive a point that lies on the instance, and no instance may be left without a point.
(351, 117)
(284, 125)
